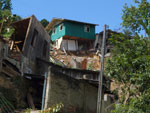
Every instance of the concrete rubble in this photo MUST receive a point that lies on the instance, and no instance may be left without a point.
(89, 61)
(34, 74)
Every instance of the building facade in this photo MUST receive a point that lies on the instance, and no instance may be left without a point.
(71, 35)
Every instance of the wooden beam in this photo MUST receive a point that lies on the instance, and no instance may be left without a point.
(9, 71)
(76, 38)
(30, 101)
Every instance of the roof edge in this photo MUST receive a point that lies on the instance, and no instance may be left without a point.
(52, 23)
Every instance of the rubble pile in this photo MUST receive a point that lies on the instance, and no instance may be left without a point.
(80, 60)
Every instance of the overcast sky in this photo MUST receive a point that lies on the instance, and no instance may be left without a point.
(93, 11)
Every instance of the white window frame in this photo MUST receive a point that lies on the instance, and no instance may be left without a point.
(54, 31)
(86, 28)
(61, 25)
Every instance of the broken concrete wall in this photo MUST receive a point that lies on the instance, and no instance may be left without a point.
(32, 42)
(18, 57)
(7, 67)
(37, 41)
(37, 45)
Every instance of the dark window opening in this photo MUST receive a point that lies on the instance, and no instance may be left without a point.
(97, 46)
(83, 45)
(108, 50)
(34, 37)
(87, 28)
(45, 48)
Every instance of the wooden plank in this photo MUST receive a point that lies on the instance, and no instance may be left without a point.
(17, 42)
(76, 38)
(30, 101)
(27, 33)
(12, 45)
(9, 71)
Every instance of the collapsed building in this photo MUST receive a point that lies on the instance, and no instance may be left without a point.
(98, 40)
(39, 83)
(73, 43)
(18, 57)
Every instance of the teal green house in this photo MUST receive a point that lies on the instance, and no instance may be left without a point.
(71, 35)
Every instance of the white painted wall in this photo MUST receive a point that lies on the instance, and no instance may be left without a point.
(70, 45)
(64, 45)
(58, 43)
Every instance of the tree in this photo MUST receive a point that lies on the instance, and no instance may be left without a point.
(5, 5)
(137, 18)
(6, 18)
(129, 67)
(5, 29)
(44, 22)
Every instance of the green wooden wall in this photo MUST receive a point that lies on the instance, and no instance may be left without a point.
(77, 30)
(58, 33)
(73, 29)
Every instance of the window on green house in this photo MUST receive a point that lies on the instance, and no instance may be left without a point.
(86, 28)
(54, 31)
(61, 27)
